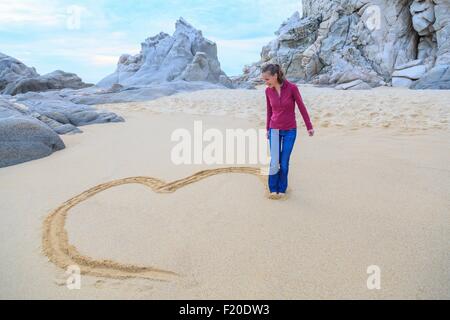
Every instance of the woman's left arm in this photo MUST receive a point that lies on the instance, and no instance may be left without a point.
(302, 108)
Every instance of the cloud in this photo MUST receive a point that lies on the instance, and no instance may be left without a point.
(103, 51)
(28, 12)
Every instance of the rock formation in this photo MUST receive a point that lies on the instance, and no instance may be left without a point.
(359, 44)
(16, 77)
(186, 55)
(24, 138)
(59, 113)
(30, 124)
(431, 19)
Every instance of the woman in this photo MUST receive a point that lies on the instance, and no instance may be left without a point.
(281, 96)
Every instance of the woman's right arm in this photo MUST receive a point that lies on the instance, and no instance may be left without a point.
(269, 112)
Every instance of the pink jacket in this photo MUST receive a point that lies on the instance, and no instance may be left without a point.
(281, 108)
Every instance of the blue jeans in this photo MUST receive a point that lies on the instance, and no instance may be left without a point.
(281, 145)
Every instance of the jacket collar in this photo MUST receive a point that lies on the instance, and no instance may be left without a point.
(283, 85)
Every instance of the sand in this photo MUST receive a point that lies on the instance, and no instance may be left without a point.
(400, 109)
(370, 188)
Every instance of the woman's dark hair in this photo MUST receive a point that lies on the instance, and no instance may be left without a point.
(274, 68)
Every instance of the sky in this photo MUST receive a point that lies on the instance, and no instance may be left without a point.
(88, 37)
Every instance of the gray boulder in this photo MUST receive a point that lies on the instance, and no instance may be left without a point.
(402, 82)
(16, 78)
(436, 78)
(353, 85)
(25, 139)
(59, 108)
(12, 70)
(412, 73)
(54, 110)
(55, 80)
(7, 109)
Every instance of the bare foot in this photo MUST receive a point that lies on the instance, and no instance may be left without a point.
(273, 196)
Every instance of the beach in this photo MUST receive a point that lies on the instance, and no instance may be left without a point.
(369, 189)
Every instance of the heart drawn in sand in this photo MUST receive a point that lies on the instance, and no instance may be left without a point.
(55, 241)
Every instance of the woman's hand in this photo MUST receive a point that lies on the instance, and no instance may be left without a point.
(311, 132)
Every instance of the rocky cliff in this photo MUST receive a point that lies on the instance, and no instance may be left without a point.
(359, 44)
